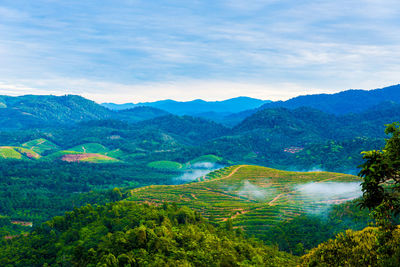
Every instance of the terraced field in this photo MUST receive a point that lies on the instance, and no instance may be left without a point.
(7, 152)
(256, 197)
(40, 145)
(14, 152)
(90, 148)
(74, 156)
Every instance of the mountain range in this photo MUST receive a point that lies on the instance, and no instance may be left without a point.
(277, 136)
(47, 110)
(350, 101)
(59, 153)
(196, 107)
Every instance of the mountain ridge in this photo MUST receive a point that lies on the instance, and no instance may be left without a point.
(344, 102)
(197, 106)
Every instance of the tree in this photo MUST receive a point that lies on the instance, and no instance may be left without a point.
(381, 179)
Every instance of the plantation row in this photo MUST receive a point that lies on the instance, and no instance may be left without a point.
(254, 198)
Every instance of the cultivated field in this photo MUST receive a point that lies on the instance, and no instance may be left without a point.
(255, 197)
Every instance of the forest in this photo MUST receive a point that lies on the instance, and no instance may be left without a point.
(142, 186)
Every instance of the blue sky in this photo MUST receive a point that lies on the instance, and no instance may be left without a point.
(131, 50)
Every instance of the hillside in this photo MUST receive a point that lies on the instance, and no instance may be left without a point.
(137, 114)
(350, 101)
(256, 198)
(51, 110)
(300, 124)
(281, 138)
(186, 129)
(39, 111)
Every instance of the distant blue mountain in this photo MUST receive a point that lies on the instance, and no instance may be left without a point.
(350, 101)
(197, 107)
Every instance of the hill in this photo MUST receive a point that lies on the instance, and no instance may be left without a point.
(127, 234)
(302, 123)
(74, 156)
(39, 111)
(40, 145)
(198, 106)
(350, 101)
(12, 152)
(51, 110)
(137, 114)
(256, 198)
(186, 129)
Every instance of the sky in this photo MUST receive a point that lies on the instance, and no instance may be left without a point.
(134, 51)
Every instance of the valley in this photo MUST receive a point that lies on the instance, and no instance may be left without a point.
(284, 176)
(199, 133)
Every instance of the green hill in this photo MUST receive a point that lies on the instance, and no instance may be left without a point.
(48, 110)
(40, 145)
(255, 197)
(74, 156)
(8, 152)
(165, 165)
(14, 152)
(206, 158)
(28, 153)
(90, 148)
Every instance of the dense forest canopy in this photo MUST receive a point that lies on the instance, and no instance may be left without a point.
(128, 234)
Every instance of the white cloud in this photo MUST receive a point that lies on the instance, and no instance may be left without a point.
(198, 49)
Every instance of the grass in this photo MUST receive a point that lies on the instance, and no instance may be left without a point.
(165, 165)
(14, 152)
(40, 145)
(28, 152)
(90, 148)
(116, 153)
(99, 159)
(68, 155)
(254, 197)
(96, 148)
(59, 154)
(9, 153)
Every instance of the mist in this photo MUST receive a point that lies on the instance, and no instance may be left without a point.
(252, 191)
(321, 196)
(354, 171)
(196, 171)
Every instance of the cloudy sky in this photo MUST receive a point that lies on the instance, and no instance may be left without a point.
(132, 50)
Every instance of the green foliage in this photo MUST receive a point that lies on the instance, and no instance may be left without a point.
(125, 233)
(38, 190)
(380, 173)
(355, 249)
(307, 231)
